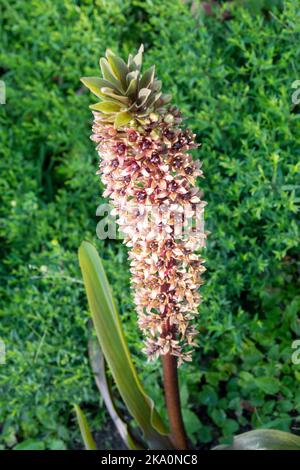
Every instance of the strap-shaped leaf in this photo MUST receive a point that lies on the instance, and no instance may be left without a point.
(112, 341)
(84, 429)
(263, 439)
(98, 367)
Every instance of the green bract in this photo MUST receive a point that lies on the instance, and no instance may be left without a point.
(125, 92)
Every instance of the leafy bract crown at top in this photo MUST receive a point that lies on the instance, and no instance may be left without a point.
(125, 92)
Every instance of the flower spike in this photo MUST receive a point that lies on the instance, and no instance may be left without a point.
(150, 178)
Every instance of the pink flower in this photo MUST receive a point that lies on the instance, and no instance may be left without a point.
(150, 178)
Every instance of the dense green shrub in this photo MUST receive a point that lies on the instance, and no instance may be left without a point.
(233, 80)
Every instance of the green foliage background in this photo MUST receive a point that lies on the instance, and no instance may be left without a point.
(232, 79)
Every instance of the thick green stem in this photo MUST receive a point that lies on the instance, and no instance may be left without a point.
(178, 435)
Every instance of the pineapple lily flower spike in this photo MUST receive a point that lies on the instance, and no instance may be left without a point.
(149, 174)
(146, 168)
(150, 177)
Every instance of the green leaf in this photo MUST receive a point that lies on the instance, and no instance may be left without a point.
(157, 84)
(137, 60)
(218, 416)
(152, 99)
(132, 88)
(56, 444)
(118, 66)
(106, 107)
(94, 84)
(107, 92)
(147, 78)
(283, 423)
(122, 119)
(84, 429)
(208, 396)
(263, 439)
(30, 444)
(205, 435)
(98, 367)
(111, 338)
(109, 75)
(191, 421)
(269, 385)
(166, 98)
(144, 94)
(229, 427)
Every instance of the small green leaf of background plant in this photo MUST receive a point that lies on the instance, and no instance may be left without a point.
(30, 444)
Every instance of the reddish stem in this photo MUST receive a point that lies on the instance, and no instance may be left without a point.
(178, 435)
